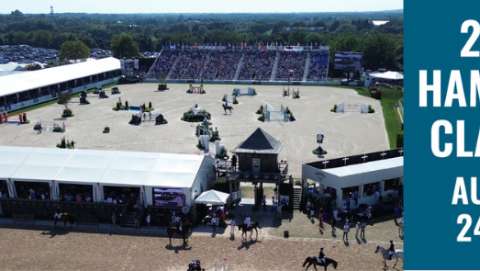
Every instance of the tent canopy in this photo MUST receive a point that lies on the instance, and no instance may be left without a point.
(388, 75)
(212, 197)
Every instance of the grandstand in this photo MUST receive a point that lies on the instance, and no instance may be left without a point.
(247, 64)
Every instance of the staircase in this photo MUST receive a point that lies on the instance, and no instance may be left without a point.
(239, 68)
(173, 67)
(151, 74)
(306, 70)
(275, 67)
(205, 65)
(297, 196)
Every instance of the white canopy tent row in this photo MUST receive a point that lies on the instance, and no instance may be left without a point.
(344, 175)
(186, 174)
(212, 197)
(23, 89)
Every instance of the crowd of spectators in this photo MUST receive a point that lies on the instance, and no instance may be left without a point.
(222, 65)
(164, 63)
(190, 65)
(291, 65)
(318, 66)
(257, 65)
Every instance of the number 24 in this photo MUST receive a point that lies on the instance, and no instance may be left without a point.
(467, 221)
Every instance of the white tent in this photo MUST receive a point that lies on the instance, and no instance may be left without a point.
(388, 75)
(212, 197)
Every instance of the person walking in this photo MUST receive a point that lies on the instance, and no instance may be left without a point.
(232, 229)
(346, 230)
(363, 225)
(357, 230)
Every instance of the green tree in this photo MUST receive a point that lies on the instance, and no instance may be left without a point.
(74, 49)
(380, 52)
(123, 46)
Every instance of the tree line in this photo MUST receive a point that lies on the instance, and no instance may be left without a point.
(127, 35)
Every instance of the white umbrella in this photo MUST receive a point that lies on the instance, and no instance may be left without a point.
(212, 197)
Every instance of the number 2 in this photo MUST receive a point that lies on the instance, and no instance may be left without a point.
(467, 49)
(464, 218)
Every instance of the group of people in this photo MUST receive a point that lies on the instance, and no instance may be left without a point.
(33, 193)
(189, 65)
(257, 65)
(291, 66)
(221, 65)
(318, 70)
(76, 197)
(121, 198)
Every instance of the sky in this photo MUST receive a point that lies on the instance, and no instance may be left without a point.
(197, 6)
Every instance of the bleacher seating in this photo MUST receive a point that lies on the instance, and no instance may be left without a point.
(318, 66)
(222, 64)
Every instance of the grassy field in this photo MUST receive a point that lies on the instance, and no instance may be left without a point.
(390, 98)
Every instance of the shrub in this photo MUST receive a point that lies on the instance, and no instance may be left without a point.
(370, 109)
(260, 110)
(189, 116)
(162, 87)
(67, 113)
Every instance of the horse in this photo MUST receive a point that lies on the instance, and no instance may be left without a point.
(309, 261)
(253, 227)
(227, 107)
(385, 254)
(182, 231)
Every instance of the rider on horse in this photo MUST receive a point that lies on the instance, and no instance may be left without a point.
(321, 257)
(391, 250)
(247, 222)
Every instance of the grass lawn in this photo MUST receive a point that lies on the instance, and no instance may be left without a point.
(390, 98)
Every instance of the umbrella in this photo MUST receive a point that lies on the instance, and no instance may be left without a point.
(212, 197)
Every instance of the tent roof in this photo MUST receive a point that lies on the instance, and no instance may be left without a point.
(106, 167)
(259, 142)
(22, 81)
(213, 197)
(388, 75)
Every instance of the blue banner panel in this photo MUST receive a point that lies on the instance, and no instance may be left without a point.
(439, 234)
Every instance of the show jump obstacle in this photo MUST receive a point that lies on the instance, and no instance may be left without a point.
(272, 114)
(196, 89)
(244, 92)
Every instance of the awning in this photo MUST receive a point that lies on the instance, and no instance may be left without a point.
(212, 197)
(388, 75)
